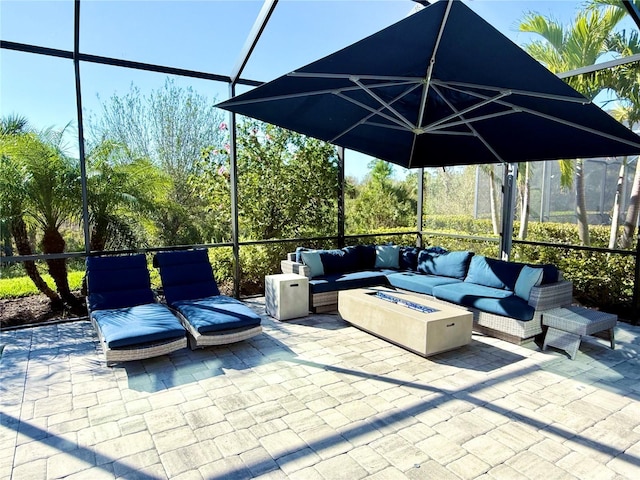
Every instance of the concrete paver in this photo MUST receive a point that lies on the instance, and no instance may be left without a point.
(314, 398)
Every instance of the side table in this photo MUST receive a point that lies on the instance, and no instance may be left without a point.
(286, 295)
(568, 325)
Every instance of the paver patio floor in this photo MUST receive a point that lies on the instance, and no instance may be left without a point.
(314, 398)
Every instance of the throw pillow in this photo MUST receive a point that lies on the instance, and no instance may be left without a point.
(529, 277)
(387, 256)
(408, 258)
(311, 258)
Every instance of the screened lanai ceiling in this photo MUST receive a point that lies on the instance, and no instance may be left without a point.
(210, 37)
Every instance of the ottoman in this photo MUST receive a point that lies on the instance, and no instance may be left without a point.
(568, 325)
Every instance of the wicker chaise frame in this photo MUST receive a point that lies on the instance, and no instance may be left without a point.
(137, 352)
(543, 297)
(224, 337)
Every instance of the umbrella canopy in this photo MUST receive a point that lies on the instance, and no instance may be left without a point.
(441, 87)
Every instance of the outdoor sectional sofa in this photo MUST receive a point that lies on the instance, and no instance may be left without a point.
(506, 298)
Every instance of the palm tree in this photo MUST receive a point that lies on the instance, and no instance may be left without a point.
(118, 189)
(561, 50)
(14, 196)
(49, 186)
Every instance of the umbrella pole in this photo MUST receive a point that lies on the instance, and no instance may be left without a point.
(420, 207)
(508, 204)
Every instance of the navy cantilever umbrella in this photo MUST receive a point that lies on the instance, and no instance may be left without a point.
(441, 87)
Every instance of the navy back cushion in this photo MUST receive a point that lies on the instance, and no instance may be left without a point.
(491, 272)
(186, 275)
(366, 257)
(332, 261)
(118, 282)
(351, 259)
(409, 258)
(447, 264)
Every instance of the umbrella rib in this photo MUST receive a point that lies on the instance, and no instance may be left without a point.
(383, 103)
(580, 127)
(470, 126)
(348, 76)
(432, 61)
(548, 96)
(287, 96)
(487, 101)
(374, 111)
(518, 108)
(468, 121)
(377, 112)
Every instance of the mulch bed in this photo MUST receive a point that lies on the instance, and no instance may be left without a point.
(17, 312)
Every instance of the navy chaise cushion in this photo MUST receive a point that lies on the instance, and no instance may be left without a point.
(186, 275)
(190, 287)
(137, 325)
(217, 313)
(122, 303)
(118, 281)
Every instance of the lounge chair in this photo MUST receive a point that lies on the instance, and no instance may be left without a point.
(131, 325)
(191, 291)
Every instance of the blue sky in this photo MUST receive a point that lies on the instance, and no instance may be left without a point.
(205, 35)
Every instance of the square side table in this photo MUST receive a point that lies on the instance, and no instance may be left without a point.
(286, 296)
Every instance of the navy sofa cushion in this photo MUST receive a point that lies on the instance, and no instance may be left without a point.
(418, 282)
(347, 259)
(488, 299)
(299, 251)
(496, 273)
(126, 327)
(492, 273)
(218, 313)
(347, 281)
(448, 264)
(332, 261)
(118, 282)
(186, 275)
(351, 259)
(409, 258)
(366, 257)
(550, 274)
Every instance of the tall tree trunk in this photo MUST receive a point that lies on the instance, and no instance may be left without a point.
(495, 221)
(52, 242)
(98, 237)
(21, 237)
(524, 212)
(581, 209)
(615, 215)
(631, 221)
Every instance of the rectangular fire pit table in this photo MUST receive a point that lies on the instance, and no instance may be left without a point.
(568, 325)
(410, 321)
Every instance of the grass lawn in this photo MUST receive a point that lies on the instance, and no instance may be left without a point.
(23, 286)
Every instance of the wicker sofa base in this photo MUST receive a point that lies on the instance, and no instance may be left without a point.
(324, 302)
